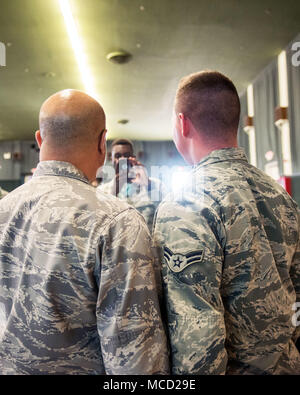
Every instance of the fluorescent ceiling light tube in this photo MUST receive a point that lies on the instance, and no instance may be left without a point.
(77, 46)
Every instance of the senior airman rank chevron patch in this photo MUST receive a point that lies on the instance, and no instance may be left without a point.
(178, 262)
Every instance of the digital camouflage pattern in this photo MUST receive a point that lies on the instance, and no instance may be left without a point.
(230, 257)
(77, 288)
(143, 199)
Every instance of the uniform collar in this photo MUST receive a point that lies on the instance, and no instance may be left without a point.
(61, 169)
(224, 154)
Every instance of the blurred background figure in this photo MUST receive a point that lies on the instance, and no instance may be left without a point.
(131, 181)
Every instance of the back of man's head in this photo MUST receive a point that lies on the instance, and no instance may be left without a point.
(70, 119)
(211, 102)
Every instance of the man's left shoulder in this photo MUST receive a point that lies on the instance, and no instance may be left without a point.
(105, 188)
(191, 209)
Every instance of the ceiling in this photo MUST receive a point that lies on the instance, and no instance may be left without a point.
(167, 39)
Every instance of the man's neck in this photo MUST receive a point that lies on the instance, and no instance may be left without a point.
(205, 151)
(84, 167)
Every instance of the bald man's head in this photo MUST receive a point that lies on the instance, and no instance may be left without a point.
(70, 118)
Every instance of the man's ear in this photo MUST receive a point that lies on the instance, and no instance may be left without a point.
(102, 142)
(184, 125)
(38, 138)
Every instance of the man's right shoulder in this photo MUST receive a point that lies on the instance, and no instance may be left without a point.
(99, 207)
(111, 202)
(109, 209)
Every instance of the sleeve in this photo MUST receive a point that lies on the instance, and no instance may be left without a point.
(129, 322)
(192, 269)
(295, 277)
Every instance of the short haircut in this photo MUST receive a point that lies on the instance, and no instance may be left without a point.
(122, 142)
(211, 102)
(63, 128)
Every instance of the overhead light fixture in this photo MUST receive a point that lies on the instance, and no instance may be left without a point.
(49, 74)
(119, 57)
(77, 46)
(7, 155)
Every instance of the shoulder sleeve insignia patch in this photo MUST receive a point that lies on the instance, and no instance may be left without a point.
(178, 262)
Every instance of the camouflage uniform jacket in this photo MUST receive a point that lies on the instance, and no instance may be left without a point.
(143, 199)
(77, 288)
(231, 270)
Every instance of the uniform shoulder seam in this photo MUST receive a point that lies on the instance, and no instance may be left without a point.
(116, 216)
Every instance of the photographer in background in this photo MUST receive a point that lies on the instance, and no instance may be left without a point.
(131, 181)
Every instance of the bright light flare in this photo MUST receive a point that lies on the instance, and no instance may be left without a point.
(77, 46)
(181, 179)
